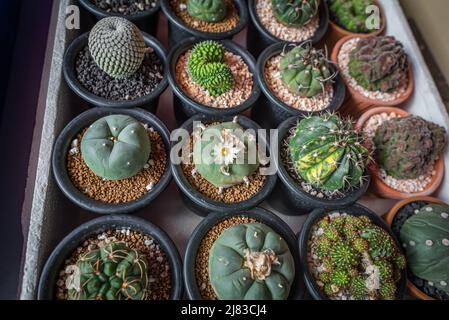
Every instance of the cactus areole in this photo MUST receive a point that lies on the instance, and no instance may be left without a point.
(207, 10)
(295, 13)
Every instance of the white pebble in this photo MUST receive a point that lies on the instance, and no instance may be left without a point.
(150, 186)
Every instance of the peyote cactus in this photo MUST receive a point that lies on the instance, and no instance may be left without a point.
(379, 64)
(328, 153)
(426, 238)
(111, 272)
(117, 46)
(351, 14)
(295, 13)
(305, 70)
(207, 10)
(207, 68)
(408, 147)
(116, 147)
(251, 262)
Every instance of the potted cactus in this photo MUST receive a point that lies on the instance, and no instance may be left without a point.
(350, 254)
(116, 65)
(296, 80)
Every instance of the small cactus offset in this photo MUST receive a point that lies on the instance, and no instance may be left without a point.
(351, 14)
(207, 10)
(117, 46)
(116, 147)
(407, 147)
(379, 64)
(295, 13)
(305, 70)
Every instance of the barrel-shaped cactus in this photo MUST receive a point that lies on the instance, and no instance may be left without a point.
(426, 239)
(207, 10)
(351, 14)
(295, 13)
(116, 147)
(251, 262)
(117, 46)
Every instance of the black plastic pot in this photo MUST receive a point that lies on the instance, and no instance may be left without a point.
(288, 196)
(148, 102)
(304, 236)
(146, 21)
(199, 203)
(185, 107)
(62, 146)
(178, 31)
(270, 111)
(259, 38)
(55, 263)
(261, 215)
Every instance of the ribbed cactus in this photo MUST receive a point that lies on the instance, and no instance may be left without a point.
(305, 70)
(251, 262)
(111, 272)
(379, 64)
(296, 13)
(426, 238)
(408, 147)
(328, 153)
(115, 147)
(117, 46)
(351, 14)
(207, 10)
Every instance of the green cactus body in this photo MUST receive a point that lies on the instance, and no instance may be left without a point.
(327, 152)
(111, 272)
(295, 13)
(426, 236)
(116, 147)
(351, 14)
(251, 262)
(207, 10)
(117, 46)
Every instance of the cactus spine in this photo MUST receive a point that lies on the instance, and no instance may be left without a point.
(295, 13)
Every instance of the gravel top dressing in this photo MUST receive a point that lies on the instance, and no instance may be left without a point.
(125, 7)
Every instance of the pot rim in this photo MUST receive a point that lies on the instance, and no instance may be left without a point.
(100, 13)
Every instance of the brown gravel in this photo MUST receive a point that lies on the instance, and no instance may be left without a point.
(159, 267)
(120, 191)
(231, 20)
(202, 258)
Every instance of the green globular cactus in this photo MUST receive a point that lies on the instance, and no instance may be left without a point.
(111, 272)
(328, 153)
(408, 147)
(251, 262)
(116, 147)
(207, 10)
(426, 237)
(207, 67)
(117, 46)
(295, 13)
(379, 64)
(351, 14)
(305, 70)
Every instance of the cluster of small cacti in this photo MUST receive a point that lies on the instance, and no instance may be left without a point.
(111, 272)
(207, 68)
(358, 258)
(251, 262)
(425, 236)
(117, 46)
(407, 147)
(305, 70)
(116, 147)
(351, 14)
(296, 13)
(379, 64)
(207, 10)
(328, 153)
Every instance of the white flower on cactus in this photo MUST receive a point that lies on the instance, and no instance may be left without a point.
(228, 149)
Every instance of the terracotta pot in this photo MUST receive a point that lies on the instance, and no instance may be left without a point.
(389, 217)
(377, 185)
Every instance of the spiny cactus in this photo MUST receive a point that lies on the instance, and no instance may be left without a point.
(296, 13)
(116, 147)
(351, 14)
(426, 237)
(207, 68)
(379, 64)
(207, 10)
(408, 147)
(328, 153)
(111, 272)
(305, 70)
(251, 262)
(117, 46)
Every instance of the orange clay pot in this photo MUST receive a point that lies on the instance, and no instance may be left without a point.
(356, 103)
(389, 217)
(377, 185)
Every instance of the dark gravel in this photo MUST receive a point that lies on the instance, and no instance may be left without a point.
(142, 83)
(125, 7)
